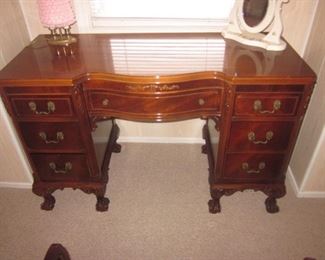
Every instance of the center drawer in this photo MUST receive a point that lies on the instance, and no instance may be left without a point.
(156, 105)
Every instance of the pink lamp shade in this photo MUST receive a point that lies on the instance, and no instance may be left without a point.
(56, 13)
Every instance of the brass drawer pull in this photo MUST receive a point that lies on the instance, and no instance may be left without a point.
(261, 166)
(105, 102)
(201, 101)
(67, 167)
(59, 137)
(268, 137)
(258, 107)
(50, 108)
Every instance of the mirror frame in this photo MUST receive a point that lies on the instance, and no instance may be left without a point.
(240, 31)
(262, 25)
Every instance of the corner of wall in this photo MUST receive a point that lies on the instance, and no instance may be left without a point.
(25, 19)
(293, 183)
(309, 30)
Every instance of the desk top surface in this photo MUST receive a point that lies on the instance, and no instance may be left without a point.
(154, 56)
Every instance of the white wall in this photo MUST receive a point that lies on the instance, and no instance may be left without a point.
(14, 169)
(307, 162)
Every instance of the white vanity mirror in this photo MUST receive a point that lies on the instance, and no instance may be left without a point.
(257, 23)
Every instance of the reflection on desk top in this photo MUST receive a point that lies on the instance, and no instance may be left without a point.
(154, 56)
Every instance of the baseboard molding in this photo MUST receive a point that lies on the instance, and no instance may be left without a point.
(312, 194)
(145, 139)
(16, 185)
(292, 181)
(298, 192)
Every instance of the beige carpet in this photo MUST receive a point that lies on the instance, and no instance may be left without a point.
(159, 210)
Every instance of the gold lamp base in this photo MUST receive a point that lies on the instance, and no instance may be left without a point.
(61, 36)
(64, 41)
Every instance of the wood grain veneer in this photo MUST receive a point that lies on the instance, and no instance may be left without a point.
(243, 93)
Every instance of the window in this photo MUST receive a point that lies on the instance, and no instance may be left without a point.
(157, 57)
(160, 15)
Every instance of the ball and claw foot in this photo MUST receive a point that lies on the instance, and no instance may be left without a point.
(214, 206)
(204, 149)
(271, 206)
(48, 203)
(117, 148)
(102, 204)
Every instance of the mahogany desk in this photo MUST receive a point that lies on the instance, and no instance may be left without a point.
(253, 101)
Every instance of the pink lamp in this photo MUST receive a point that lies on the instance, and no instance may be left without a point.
(58, 16)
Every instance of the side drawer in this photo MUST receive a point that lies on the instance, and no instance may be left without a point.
(47, 106)
(61, 167)
(259, 136)
(266, 104)
(252, 167)
(156, 105)
(52, 136)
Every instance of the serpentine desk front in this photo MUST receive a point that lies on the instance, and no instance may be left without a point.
(253, 101)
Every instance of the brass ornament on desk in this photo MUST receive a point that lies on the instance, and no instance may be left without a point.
(61, 36)
(153, 87)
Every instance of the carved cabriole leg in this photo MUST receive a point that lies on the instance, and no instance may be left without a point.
(49, 200)
(273, 193)
(205, 133)
(102, 201)
(116, 148)
(216, 194)
(102, 204)
(112, 147)
(204, 149)
(214, 204)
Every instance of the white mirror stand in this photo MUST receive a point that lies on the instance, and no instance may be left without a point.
(240, 31)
